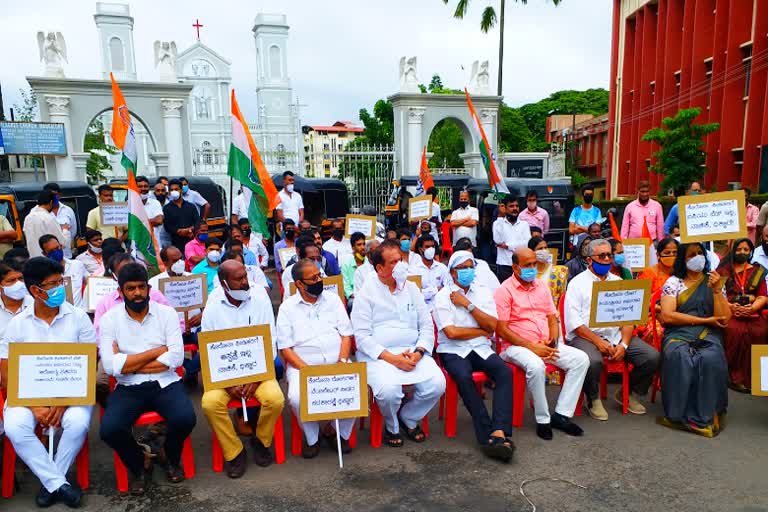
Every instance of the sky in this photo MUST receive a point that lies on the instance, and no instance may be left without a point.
(343, 55)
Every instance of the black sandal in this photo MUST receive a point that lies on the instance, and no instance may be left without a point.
(415, 434)
(500, 448)
(393, 440)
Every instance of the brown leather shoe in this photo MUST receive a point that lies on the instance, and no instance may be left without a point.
(237, 466)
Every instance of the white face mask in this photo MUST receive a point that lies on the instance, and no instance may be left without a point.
(697, 263)
(544, 256)
(400, 273)
(144, 197)
(429, 253)
(178, 267)
(94, 249)
(16, 291)
(214, 256)
(239, 295)
(289, 188)
(175, 195)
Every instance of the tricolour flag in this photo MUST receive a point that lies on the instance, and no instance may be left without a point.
(143, 245)
(425, 177)
(245, 165)
(494, 178)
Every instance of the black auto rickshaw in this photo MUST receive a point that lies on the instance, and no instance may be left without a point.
(396, 214)
(324, 199)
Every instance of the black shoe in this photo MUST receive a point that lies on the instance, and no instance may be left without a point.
(45, 499)
(70, 495)
(500, 448)
(565, 424)
(175, 474)
(262, 455)
(237, 466)
(331, 442)
(310, 451)
(138, 484)
(544, 431)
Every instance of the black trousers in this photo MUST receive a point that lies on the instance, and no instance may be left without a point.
(127, 403)
(503, 272)
(460, 369)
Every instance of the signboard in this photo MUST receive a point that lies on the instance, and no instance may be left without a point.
(529, 168)
(98, 288)
(333, 391)
(285, 254)
(362, 224)
(617, 303)
(332, 284)
(760, 370)
(232, 357)
(419, 208)
(637, 253)
(24, 138)
(114, 214)
(718, 216)
(185, 293)
(50, 374)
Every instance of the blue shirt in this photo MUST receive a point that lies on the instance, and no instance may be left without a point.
(673, 219)
(249, 258)
(210, 272)
(331, 264)
(584, 218)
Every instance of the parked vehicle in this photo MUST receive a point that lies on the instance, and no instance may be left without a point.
(324, 199)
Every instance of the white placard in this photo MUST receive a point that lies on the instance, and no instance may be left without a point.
(185, 293)
(53, 376)
(712, 218)
(366, 226)
(114, 214)
(420, 208)
(333, 394)
(764, 373)
(98, 288)
(238, 358)
(634, 256)
(620, 306)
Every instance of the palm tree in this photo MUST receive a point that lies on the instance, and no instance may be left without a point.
(487, 22)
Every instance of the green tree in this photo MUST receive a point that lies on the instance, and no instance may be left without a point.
(514, 135)
(379, 127)
(487, 22)
(436, 83)
(446, 143)
(27, 111)
(94, 144)
(681, 157)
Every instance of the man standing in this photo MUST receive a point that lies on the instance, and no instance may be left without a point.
(583, 215)
(161, 196)
(179, 217)
(51, 320)
(465, 315)
(91, 258)
(643, 209)
(161, 192)
(194, 251)
(194, 197)
(41, 222)
(464, 219)
(434, 275)
(673, 217)
(65, 216)
(313, 328)
(529, 330)
(106, 196)
(509, 233)
(140, 345)
(535, 216)
(73, 269)
(153, 207)
(615, 343)
(236, 304)
(337, 244)
(239, 208)
(8, 235)
(291, 204)
(395, 337)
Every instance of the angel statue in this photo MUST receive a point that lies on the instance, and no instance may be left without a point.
(479, 82)
(408, 79)
(53, 50)
(165, 60)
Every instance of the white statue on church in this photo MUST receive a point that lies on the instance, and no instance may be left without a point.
(53, 50)
(165, 60)
(409, 82)
(479, 83)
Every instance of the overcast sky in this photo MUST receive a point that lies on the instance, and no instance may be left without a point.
(343, 54)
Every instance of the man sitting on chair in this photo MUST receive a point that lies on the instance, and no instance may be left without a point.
(530, 332)
(395, 337)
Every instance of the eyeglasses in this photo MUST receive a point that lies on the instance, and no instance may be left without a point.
(50, 285)
(602, 256)
(314, 279)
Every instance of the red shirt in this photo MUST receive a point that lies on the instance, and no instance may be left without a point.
(525, 309)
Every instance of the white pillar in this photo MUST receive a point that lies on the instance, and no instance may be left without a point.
(58, 112)
(173, 135)
(415, 140)
(488, 120)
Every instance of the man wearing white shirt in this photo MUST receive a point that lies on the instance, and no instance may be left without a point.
(91, 257)
(65, 216)
(366, 269)
(761, 251)
(464, 220)
(41, 222)
(236, 304)
(395, 337)
(313, 328)
(465, 315)
(50, 320)
(239, 208)
(73, 269)
(140, 345)
(509, 233)
(305, 248)
(338, 245)
(152, 206)
(615, 343)
(254, 242)
(291, 204)
(194, 197)
(434, 275)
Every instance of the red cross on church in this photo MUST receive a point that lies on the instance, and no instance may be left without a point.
(197, 25)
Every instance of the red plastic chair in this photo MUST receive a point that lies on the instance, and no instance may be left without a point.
(82, 462)
(279, 438)
(297, 436)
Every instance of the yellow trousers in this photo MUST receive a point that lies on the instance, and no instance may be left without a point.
(268, 393)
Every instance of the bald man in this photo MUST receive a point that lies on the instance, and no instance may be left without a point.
(530, 334)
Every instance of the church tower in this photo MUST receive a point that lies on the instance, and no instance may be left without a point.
(114, 25)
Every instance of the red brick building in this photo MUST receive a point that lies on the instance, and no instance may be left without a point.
(591, 136)
(673, 54)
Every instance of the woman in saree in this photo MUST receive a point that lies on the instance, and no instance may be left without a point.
(554, 276)
(694, 372)
(658, 274)
(745, 289)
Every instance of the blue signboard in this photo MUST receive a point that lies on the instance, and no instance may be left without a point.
(33, 138)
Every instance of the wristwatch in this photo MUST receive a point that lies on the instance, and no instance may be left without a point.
(421, 350)
(626, 347)
(470, 308)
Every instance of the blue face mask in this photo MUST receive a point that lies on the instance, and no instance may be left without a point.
(601, 268)
(465, 276)
(55, 201)
(57, 255)
(528, 274)
(185, 188)
(56, 296)
(405, 245)
(618, 259)
(202, 237)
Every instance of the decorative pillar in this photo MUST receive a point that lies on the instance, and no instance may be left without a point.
(58, 112)
(488, 120)
(173, 135)
(415, 140)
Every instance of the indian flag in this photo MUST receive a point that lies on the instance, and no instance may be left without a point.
(245, 165)
(425, 177)
(140, 233)
(495, 180)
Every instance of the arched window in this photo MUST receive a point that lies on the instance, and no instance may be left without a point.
(207, 153)
(281, 155)
(275, 64)
(116, 54)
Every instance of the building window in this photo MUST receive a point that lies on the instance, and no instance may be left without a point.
(327, 171)
(677, 80)
(275, 66)
(207, 153)
(653, 88)
(116, 54)
(708, 79)
(746, 52)
(281, 155)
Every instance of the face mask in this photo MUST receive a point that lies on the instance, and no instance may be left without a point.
(544, 256)
(588, 199)
(16, 291)
(532, 205)
(511, 217)
(160, 198)
(601, 269)
(694, 192)
(463, 204)
(528, 275)
(314, 289)
(137, 306)
(289, 188)
(178, 267)
(144, 197)
(429, 253)
(202, 237)
(465, 276)
(740, 258)
(360, 257)
(94, 249)
(214, 256)
(400, 273)
(668, 261)
(56, 296)
(290, 234)
(185, 188)
(56, 255)
(697, 263)
(405, 245)
(338, 234)
(175, 195)
(239, 295)
(56, 201)
(619, 260)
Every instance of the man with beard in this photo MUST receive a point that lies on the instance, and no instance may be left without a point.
(509, 233)
(643, 209)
